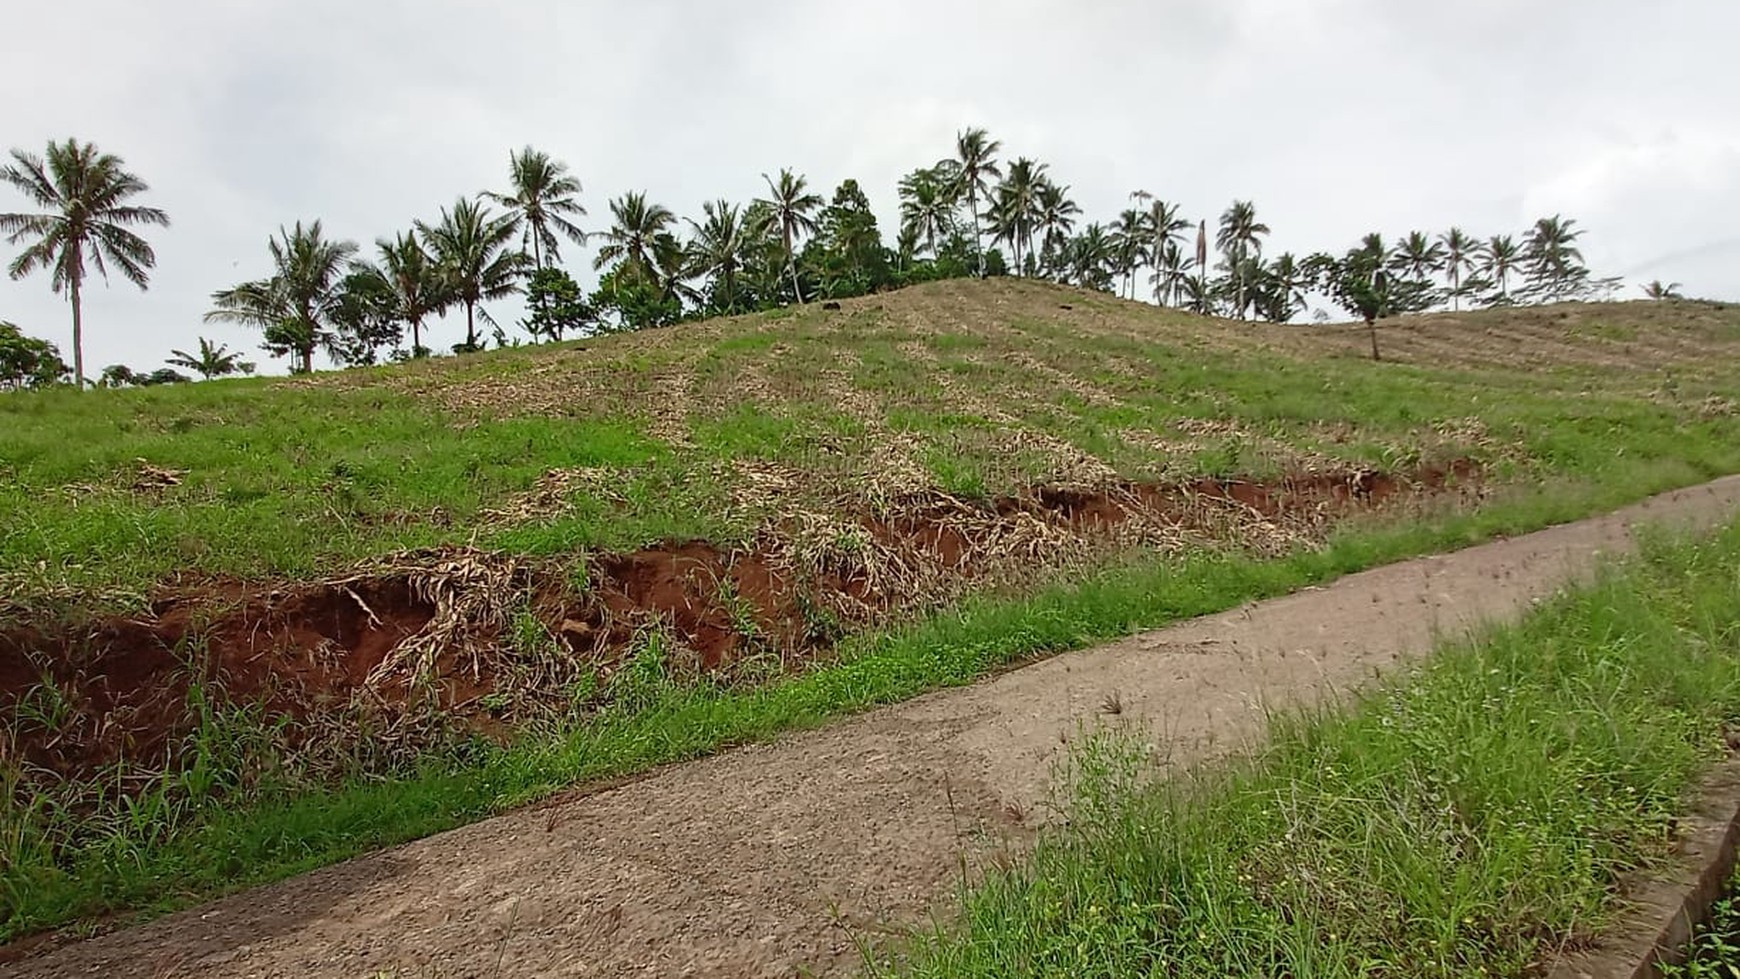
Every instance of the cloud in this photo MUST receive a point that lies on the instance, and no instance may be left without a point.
(1336, 117)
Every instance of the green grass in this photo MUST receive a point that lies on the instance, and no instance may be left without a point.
(1714, 952)
(189, 847)
(296, 479)
(303, 478)
(1462, 820)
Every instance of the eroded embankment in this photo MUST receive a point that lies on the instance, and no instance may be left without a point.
(372, 668)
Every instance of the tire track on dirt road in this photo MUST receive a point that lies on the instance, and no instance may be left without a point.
(757, 861)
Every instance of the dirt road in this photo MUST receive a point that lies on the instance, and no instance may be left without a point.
(746, 864)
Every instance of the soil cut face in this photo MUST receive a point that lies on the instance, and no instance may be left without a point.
(766, 860)
(460, 641)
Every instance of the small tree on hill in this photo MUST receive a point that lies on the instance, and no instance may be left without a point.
(557, 305)
(1360, 284)
(213, 360)
(27, 362)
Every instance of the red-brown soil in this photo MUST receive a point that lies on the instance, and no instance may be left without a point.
(118, 689)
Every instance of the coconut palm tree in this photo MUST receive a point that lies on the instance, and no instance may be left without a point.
(1554, 263)
(1130, 243)
(1500, 258)
(1658, 290)
(635, 225)
(1017, 207)
(927, 205)
(1090, 257)
(1056, 219)
(716, 250)
(1460, 252)
(790, 208)
(1417, 256)
(1168, 228)
(473, 250)
(213, 360)
(297, 304)
(411, 276)
(1240, 237)
(1289, 280)
(1171, 272)
(542, 201)
(85, 216)
(976, 158)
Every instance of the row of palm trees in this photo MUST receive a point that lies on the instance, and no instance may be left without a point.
(969, 213)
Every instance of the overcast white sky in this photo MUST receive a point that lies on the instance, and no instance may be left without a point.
(1335, 116)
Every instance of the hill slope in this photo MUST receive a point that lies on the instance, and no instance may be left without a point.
(707, 430)
(239, 594)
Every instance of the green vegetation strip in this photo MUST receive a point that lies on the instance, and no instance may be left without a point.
(1463, 820)
(162, 851)
(1714, 952)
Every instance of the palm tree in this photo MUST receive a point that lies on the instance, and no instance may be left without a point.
(976, 156)
(298, 302)
(1056, 219)
(83, 194)
(411, 276)
(542, 200)
(1659, 291)
(1500, 258)
(472, 249)
(1171, 272)
(1460, 252)
(1555, 264)
(1418, 256)
(1167, 227)
(635, 226)
(1240, 237)
(1289, 279)
(716, 250)
(1018, 206)
(790, 208)
(670, 269)
(1090, 256)
(1130, 240)
(213, 360)
(927, 206)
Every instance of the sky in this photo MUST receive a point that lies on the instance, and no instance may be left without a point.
(1336, 117)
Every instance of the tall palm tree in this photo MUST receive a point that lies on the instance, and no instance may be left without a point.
(1090, 256)
(1290, 280)
(1171, 272)
(635, 225)
(1555, 263)
(1018, 206)
(716, 250)
(1130, 239)
(213, 360)
(415, 281)
(976, 157)
(1167, 227)
(1056, 218)
(1418, 256)
(927, 206)
(297, 303)
(1240, 237)
(542, 200)
(1460, 252)
(85, 216)
(1500, 258)
(790, 208)
(473, 249)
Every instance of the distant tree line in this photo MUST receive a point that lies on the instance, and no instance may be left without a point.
(970, 213)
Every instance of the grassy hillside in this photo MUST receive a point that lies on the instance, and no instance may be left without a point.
(251, 627)
(708, 430)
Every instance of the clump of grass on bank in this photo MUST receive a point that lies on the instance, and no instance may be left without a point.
(1714, 952)
(1464, 820)
(267, 827)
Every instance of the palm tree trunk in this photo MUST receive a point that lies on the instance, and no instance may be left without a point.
(416, 336)
(978, 239)
(791, 263)
(470, 326)
(78, 325)
(1371, 325)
